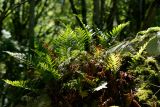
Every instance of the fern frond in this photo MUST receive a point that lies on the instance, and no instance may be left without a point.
(108, 38)
(20, 83)
(66, 40)
(44, 57)
(45, 65)
(70, 40)
(19, 56)
(113, 62)
(116, 30)
(44, 68)
(85, 38)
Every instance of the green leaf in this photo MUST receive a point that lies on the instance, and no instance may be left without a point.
(20, 83)
(116, 30)
(18, 56)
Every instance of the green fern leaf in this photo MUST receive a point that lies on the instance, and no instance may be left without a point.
(113, 62)
(20, 83)
(108, 38)
(19, 56)
(116, 30)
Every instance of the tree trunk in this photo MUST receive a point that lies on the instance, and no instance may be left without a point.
(1, 28)
(84, 12)
(96, 14)
(112, 14)
(2, 15)
(150, 14)
(102, 14)
(31, 27)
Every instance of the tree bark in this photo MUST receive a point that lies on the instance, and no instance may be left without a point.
(2, 15)
(102, 14)
(1, 28)
(150, 14)
(96, 13)
(31, 27)
(111, 16)
(84, 12)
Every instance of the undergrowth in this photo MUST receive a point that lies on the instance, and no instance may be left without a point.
(77, 70)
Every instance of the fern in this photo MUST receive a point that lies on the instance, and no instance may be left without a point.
(86, 38)
(44, 63)
(113, 62)
(116, 30)
(44, 68)
(19, 56)
(71, 40)
(72, 84)
(108, 38)
(44, 57)
(20, 83)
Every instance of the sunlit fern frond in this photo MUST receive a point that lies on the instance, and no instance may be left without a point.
(70, 40)
(20, 83)
(85, 38)
(109, 37)
(64, 41)
(19, 56)
(117, 30)
(113, 62)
